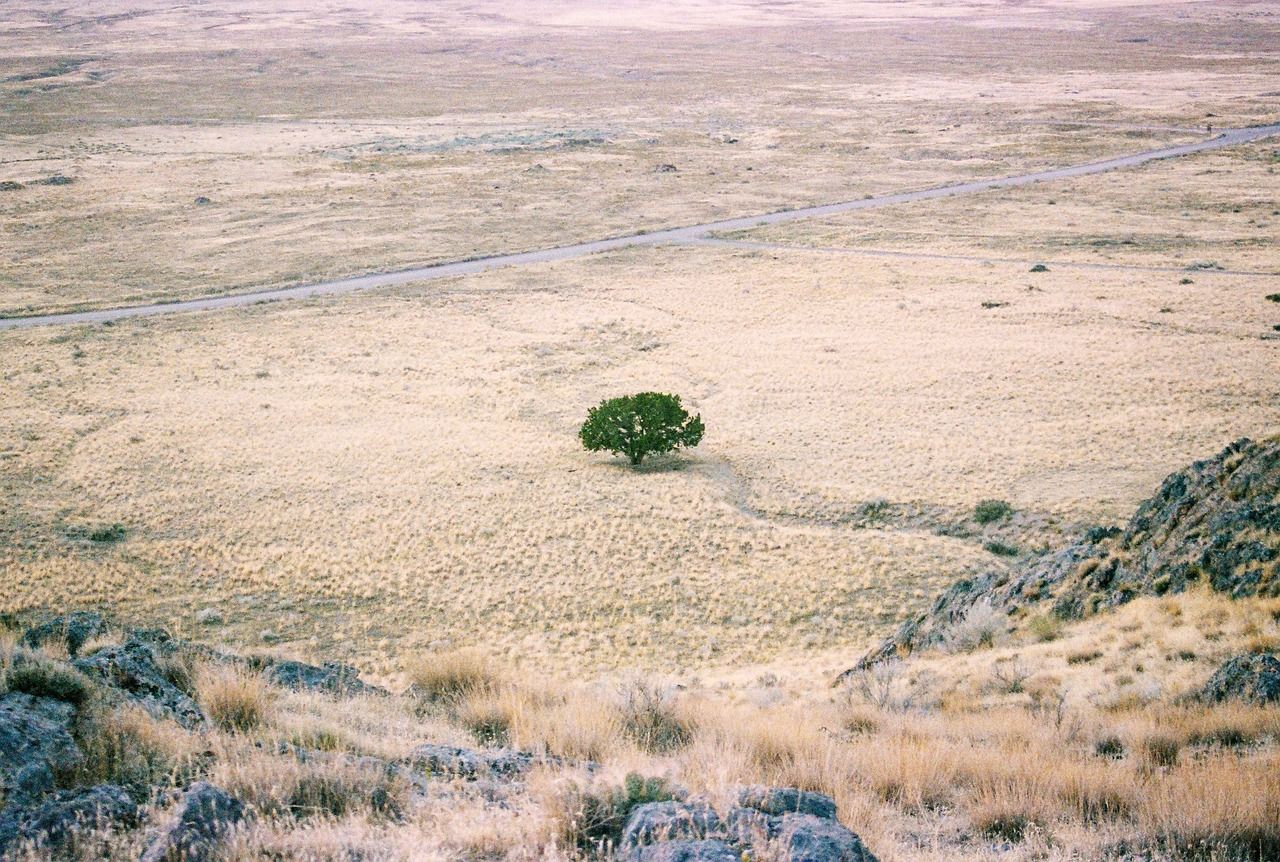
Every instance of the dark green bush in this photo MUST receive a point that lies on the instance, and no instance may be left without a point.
(597, 817)
(1000, 549)
(44, 677)
(990, 511)
(109, 534)
(649, 423)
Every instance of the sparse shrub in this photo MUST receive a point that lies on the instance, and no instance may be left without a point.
(979, 629)
(990, 511)
(1009, 676)
(1161, 750)
(592, 819)
(331, 787)
(1000, 549)
(448, 677)
(1002, 825)
(109, 534)
(131, 748)
(1045, 628)
(486, 718)
(1110, 747)
(877, 685)
(648, 423)
(40, 676)
(651, 719)
(235, 699)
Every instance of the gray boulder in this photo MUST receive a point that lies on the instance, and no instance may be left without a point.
(748, 827)
(805, 838)
(656, 822)
(1247, 677)
(777, 801)
(687, 851)
(35, 741)
(54, 824)
(469, 762)
(204, 818)
(72, 629)
(132, 671)
(333, 677)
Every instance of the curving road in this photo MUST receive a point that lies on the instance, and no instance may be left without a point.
(679, 235)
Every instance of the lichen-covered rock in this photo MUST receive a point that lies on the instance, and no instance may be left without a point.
(655, 822)
(748, 827)
(35, 742)
(1247, 677)
(708, 850)
(1216, 521)
(334, 677)
(805, 838)
(469, 762)
(204, 818)
(54, 823)
(777, 801)
(131, 669)
(72, 629)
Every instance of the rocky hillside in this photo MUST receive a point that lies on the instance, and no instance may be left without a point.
(1215, 522)
(115, 743)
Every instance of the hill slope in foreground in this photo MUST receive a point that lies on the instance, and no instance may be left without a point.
(1116, 700)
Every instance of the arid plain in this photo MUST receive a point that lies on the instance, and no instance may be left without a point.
(381, 471)
(392, 476)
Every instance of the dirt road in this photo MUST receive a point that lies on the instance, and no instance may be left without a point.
(691, 233)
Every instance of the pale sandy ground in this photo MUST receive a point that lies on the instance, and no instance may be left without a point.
(1208, 211)
(371, 474)
(336, 140)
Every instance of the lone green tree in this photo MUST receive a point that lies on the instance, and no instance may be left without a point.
(648, 423)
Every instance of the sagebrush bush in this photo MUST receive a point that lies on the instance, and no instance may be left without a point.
(990, 511)
(40, 676)
(652, 719)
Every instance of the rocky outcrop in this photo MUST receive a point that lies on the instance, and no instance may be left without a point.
(133, 671)
(332, 677)
(56, 821)
(782, 823)
(72, 630)
(1249, 678)
(205, 816)
(687, 851)
(805, 838)
(1216, 521)
(434, 759)
(35, 743)
(669, 821)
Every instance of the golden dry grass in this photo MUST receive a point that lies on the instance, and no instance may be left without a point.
(336, 140)
(415, 479)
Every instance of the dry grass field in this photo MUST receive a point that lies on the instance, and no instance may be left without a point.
(393, 475)
(332, 140)
(380, 472)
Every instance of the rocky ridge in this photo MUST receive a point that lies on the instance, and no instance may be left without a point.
(1215, 522)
